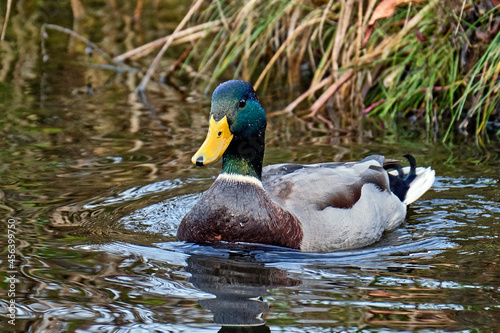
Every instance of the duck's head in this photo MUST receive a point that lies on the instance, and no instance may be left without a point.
(237, 124)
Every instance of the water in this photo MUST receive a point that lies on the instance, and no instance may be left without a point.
(97, 203)
(436, 272)
(98, 183)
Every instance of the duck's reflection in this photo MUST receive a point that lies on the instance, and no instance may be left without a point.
(245, 329)
(238, 284)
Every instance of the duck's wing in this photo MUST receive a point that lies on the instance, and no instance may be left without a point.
(340, 205)
(335, 184)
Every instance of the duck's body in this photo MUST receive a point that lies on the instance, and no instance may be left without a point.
(317, 207)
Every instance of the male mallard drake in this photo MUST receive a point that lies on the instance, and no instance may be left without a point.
(316, 207)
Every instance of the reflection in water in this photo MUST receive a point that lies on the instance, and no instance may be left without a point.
(110, 170)
(398, 282)
(245, 329)
(238, 286)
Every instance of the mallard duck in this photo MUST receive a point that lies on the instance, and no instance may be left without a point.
(316, 207)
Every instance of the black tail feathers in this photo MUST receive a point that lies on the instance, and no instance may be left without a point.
(401, 183)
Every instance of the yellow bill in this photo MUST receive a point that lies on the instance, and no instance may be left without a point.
(216, 143)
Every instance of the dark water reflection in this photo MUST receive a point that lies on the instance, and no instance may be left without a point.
(438, 271)
(99, 183)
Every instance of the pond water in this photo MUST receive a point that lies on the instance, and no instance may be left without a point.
(96, 182)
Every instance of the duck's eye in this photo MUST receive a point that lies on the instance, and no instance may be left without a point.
(242, 103)
(219, 133)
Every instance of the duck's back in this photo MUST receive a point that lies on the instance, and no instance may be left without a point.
(340, 205)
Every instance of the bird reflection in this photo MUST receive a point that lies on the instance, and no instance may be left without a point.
(238, 284)
(245, 329)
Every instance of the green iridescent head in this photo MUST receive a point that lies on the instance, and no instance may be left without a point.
(236, 131)
(237, 101)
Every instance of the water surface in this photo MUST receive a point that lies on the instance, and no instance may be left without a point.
(98, 181)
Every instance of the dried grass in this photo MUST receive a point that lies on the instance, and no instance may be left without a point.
(348, 59)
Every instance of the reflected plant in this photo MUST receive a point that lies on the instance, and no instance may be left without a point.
(425, 61)
(418, 60)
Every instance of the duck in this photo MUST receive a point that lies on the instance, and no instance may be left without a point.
(308, 207)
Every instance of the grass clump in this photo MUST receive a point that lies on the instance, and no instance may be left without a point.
(429, 60)
(436, 62)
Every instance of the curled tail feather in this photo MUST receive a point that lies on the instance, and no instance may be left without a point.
(409, 183)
